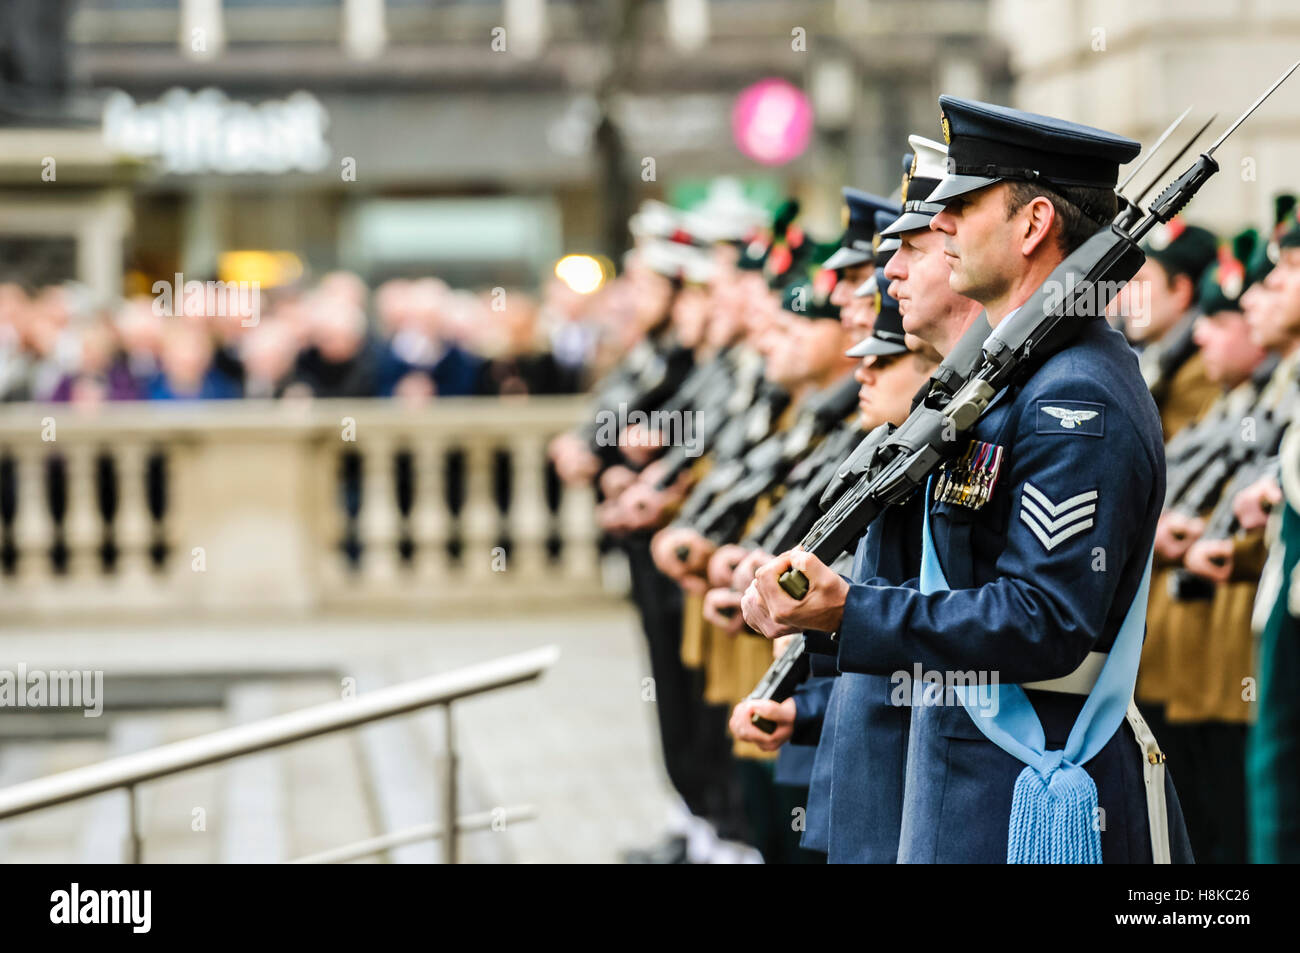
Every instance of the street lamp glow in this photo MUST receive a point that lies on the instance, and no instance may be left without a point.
(582, 273)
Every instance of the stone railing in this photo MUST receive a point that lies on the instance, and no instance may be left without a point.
(291, 506)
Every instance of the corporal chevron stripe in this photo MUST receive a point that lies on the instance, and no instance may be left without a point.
(1054, 523)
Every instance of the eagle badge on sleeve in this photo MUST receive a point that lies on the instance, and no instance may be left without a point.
(1071, 417)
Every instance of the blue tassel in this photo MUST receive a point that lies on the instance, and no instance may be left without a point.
(1053, 818)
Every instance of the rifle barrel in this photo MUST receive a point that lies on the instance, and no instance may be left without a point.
(1253, 106)
(1152, 151)
(1159, 176)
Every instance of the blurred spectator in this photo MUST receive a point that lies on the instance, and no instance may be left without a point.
(341, 360)
(430, 322)
(520, 366)
(426, 341)
(140, 331)
(573, 339)
(269, 353)
(102, 373)
(187, 371)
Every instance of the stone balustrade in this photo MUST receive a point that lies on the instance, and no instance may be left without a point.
(294, 506)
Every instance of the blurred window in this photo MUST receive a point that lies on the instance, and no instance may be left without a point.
(36, 260)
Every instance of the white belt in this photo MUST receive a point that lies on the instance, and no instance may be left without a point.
(1153, 773)
(1080, 682)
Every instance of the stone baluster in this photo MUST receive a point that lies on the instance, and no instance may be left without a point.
(132, 523)
(430, 518)
(82, 525)
(180, 529)
(528, 515)
(578, 533)
(33, 521)
(379, 516)
(329, 522)
(479, 517)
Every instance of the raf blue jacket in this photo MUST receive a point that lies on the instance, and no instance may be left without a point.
(855, 800)
(1040, 575)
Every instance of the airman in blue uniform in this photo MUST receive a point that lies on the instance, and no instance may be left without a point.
(861, 761)
(1038, 537)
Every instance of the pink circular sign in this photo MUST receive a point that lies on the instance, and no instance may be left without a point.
(772, 121)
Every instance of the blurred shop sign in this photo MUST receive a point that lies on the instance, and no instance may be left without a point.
(772, 121)
(202, 132)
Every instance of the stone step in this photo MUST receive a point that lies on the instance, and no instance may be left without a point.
(50, 835)
(401, 776)
(326, 783)
(106, 826)
(254, 799)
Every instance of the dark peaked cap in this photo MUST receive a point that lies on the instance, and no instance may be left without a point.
(885, 246)
(887, 333)
(989, 143)
(855, 247)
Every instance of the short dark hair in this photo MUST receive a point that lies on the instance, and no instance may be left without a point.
(1080, 212)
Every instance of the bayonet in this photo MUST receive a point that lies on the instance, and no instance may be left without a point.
(1155, 146)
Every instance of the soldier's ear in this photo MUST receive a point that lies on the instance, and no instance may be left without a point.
(1039, 218)
(1184, 289)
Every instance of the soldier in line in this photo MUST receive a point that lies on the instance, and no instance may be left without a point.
(1273, 311)
(855, 805)
(655, 372)
(1161, 328)
(861, 763)
(1273, 784)
(739, 315)
(803, 352)
(842, 733)
(785, 787)
(1011, 585)
(1197, 657)
(725, 499)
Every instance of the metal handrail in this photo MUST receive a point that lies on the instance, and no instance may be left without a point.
(129, 770)
(421, 832)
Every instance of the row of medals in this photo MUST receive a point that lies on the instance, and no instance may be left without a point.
(970, 481)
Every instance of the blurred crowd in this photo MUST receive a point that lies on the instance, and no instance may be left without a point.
(416, 339)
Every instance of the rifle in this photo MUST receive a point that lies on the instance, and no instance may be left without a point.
(796, 511)
(1236, 453)
(647, 377)
(741, 435)
(771, 461)
(780, 680)
(799, 509)
(1080, 286)
(1186, 452)
(709, 396)
(1186, 585)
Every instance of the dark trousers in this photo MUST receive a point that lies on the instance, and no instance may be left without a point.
(1207, 760)
(774, 812)
(696, 748)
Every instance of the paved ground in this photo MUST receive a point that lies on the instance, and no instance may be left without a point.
(579, 745)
